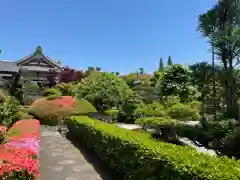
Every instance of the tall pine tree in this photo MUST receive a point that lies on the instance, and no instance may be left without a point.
(169, 62)
(161, 65)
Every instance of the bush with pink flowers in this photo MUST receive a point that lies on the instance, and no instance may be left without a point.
(19, 157)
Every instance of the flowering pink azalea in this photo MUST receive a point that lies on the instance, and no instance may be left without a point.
(22, 151)
(29, 143)
(17, 159)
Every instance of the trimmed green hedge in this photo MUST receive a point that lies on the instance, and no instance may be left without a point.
(134, 156)
(155, 122)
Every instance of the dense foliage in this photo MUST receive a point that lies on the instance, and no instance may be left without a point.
(164, 101)
(134, 156)
(9, 111)
(176, 80)
(104, 90)
(65, 75)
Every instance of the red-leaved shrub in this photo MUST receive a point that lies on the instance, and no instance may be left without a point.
(54, 111)
(25, 129)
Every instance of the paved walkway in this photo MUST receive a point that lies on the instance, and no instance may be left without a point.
(61, 160)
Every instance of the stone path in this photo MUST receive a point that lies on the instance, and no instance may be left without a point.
(61, 160)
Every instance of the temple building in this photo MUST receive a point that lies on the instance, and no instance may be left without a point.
(37, 65)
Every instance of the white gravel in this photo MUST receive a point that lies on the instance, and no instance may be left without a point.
(128, 126)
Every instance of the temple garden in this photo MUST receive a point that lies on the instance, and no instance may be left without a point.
(89, 112)
(50, 133)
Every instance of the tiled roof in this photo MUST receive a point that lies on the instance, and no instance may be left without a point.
(36, 68)
(32, 55)
(6, 66)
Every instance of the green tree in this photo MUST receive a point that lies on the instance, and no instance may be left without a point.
(104, 90)
(14, 86)
(176, 81)
(98, 69)
(202, 76)
(161, 65)
(89, 70)
(141, 71)
(169, 62)
(221, 25)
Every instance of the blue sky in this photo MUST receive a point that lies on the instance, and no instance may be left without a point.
(116, 35)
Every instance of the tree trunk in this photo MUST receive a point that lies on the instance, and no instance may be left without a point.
(202, 106)
(214, 83)
(232, 107)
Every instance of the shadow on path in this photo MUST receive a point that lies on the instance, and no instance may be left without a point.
(92, 158)
(60, 159)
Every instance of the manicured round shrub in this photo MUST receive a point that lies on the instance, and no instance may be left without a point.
(183, 112)
(24, 129)
(127, 109)
(55, 111)
(155, 122)
(113, 113)
(154, 109)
